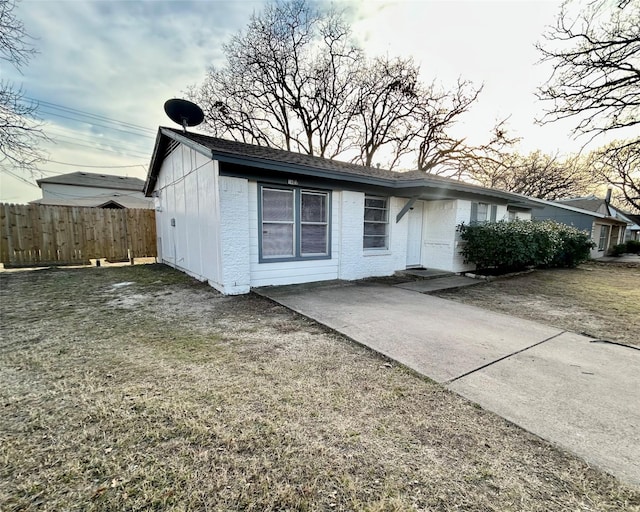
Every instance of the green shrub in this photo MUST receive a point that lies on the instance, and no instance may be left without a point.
(574, 246)
(514, 245)
(618, 250)
(633, 246)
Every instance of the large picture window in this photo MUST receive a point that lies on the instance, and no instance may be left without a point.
(294, 223)
(376, 223)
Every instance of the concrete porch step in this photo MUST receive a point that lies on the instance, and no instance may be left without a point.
(424, 273)
(448, 282)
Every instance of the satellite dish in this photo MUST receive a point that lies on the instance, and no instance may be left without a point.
(183, 112)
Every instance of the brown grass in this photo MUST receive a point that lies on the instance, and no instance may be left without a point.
(163, 395)
(601, 300)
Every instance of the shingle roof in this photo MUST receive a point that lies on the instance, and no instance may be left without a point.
(88, 179)
(243, 150)
(633, 217)
(281, 160)
(591, 203)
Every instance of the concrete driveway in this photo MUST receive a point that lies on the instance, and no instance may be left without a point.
(578, 393)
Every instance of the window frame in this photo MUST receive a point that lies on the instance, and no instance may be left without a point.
(385, 223)
(297, 222)
(490, 212)
(603, 241)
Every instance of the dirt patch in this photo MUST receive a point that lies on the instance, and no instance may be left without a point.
(597, 299)
(163, 394)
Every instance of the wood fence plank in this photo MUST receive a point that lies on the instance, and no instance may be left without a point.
(4, 237)
(38, 234)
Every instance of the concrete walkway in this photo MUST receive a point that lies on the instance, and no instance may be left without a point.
(579, 394)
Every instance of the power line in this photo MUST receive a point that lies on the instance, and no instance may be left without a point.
(98, 166)
(57, 106)
(116, 150)
(98, 146)
(80, 137)
(98, 124)
(18, 177)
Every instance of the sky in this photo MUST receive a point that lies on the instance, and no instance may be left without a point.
(105, 69)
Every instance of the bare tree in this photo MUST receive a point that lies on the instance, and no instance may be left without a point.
(389, 97)
(294, 79)
(536, 174)
(440, 153)
(19, 134)
(618, 164)
(595, 51)
(289, 81)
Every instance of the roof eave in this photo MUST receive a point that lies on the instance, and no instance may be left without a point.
(251, 161)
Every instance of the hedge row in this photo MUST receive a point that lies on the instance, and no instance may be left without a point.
(518, 244)
(630, 246)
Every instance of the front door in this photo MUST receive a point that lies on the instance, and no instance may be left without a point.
(414, 236)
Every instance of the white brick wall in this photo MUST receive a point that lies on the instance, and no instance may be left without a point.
(234, 235)
(357, 263)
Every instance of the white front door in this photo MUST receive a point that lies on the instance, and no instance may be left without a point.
(414, 235)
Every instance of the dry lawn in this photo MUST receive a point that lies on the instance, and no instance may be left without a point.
(136, 388)
(601, 300)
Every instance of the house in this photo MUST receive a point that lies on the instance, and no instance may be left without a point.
(589, 214)
(241, 216)
(93, 190)
(633, 223)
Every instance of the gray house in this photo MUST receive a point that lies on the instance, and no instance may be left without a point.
(590, 214)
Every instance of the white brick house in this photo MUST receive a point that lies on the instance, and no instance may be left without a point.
(242, 216)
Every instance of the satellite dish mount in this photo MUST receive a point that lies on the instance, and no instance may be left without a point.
(183, 112)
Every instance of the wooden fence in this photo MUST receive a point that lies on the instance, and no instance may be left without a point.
(36, 235)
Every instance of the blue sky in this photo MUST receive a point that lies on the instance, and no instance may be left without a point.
(122, 59)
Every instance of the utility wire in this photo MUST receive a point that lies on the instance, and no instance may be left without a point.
(18, 177)
(98, 124)
(105, 150)
(80, 137)
(98, 166)
(98, 143)
(57, 106)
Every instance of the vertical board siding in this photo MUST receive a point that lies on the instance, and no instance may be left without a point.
(34, 234)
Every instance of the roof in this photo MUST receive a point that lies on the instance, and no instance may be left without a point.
(591, 203)
(575, 209)
(634, 219)
(286, 161)
(102, 201)
(87, 179)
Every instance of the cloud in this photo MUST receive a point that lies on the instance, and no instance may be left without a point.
(120, 60)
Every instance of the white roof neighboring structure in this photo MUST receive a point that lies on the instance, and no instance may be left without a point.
(93, 190)
(113, 201)
(88, 179)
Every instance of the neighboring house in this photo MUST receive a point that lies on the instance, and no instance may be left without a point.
(93, 190)
(589, 214)
(242, 216)
(633, 223)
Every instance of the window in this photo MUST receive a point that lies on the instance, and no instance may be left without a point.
(479, 212)
(294, 224)
(604, 238)
(376, 223)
